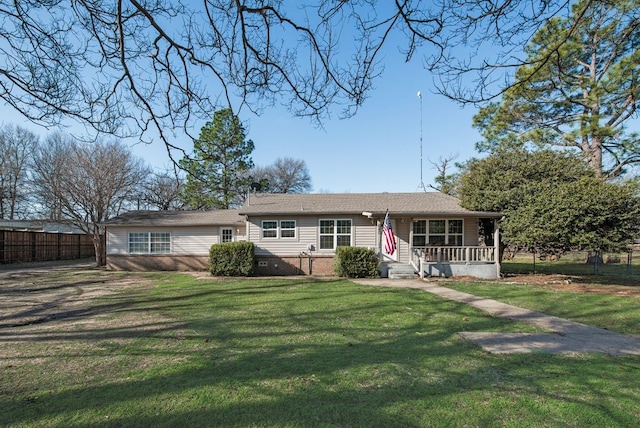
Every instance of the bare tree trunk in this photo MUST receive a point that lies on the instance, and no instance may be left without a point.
(99, 245)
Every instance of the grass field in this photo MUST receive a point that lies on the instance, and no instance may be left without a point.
(174, 350)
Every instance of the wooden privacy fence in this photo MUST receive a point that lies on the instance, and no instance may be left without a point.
(29, 246)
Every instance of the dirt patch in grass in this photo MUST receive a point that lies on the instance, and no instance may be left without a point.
(29, 298)
(577, 283)
(573, 283)
(80, 314)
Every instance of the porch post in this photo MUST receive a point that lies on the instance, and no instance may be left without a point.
(379, 239)
(496, 246)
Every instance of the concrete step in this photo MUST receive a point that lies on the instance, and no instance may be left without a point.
(401, 271)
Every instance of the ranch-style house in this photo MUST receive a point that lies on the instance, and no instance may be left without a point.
(297, 234)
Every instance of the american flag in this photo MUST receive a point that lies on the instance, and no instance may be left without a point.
(389, 238)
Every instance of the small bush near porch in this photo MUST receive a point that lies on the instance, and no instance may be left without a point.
(174, 350)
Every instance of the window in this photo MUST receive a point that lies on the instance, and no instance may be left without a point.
(455, 232)
(334, 233)
(420, 233)
(437, 232)
(226, 235)
(150, 243)
(287, 228)
(139, 243)
(269, 229)
(279, 229)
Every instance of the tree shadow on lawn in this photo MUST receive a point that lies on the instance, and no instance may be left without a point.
(30, 305)
(250, 390)
(319, 366)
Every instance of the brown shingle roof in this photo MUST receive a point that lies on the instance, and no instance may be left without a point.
(177, 218)
(398, 204)
(419, 203)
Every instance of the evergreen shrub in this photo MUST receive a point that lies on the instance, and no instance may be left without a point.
(356, 262)
(232, 259)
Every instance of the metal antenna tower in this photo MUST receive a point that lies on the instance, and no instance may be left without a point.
(421, 185)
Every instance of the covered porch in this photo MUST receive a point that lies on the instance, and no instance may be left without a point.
(439, 242)
(446, 261)
(480, 260)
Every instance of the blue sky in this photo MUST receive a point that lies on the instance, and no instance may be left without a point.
(378, 150)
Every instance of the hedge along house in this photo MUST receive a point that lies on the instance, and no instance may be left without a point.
(299, 233)
(169, 240)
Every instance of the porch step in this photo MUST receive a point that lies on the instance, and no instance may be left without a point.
(401, 271)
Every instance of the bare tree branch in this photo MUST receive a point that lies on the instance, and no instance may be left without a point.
(153, 69)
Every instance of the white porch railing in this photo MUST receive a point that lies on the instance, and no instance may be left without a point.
(449, 254)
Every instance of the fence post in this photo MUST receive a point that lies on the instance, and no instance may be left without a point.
(33, 246)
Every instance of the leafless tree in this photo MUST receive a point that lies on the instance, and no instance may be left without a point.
(290, 176)
(445, 181)
(87, 183)
(147, 67)
(16, 147)
(162, 191)
(285, 175)
(49, 162)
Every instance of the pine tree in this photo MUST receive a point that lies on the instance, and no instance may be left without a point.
(579, 90)
(217, 170)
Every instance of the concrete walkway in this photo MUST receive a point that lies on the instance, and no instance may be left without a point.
(565, 337)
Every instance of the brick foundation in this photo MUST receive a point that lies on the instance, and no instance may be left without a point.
(295, 265)
(265, 265)
(156, 262)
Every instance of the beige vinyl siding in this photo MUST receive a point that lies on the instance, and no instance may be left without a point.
(194, 240)
(364, 232)
(117, 241)
(402, 232)
(363, 235)
(184, 240)
(470, 232)
(305, 235)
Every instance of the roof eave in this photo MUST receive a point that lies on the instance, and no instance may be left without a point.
(377, 214)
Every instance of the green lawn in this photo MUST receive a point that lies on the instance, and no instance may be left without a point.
(619, 313)
(296, 353)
